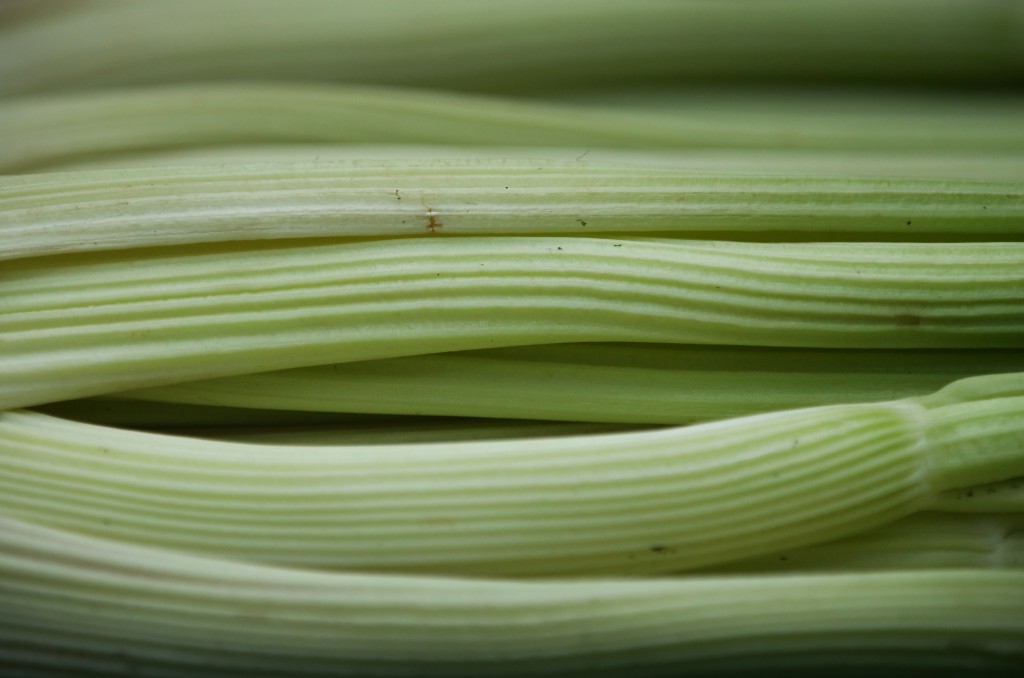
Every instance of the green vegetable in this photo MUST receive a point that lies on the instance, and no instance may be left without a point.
(524, 47)
(1003, 496)
(79, 605)
(79, 326)
(533, 338)
(649, 501)
(918, 136)
(634, 383)
(94, 210)
(922, 541)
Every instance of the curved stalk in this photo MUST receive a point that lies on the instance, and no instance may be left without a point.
(649, 501)
(72, 605)
(79, 326)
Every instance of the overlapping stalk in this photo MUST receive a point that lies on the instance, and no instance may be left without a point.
(935, 134)
(87, 605)
(511, 48)
(79, 326)
(925, 540)
(85, 211)
(628, 383)
(655, 501)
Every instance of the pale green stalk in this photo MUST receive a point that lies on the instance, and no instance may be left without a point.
(634, 383)
(414, 430)
(73, 605)
(140, 414)
(922, 541)
(305, 427)
(1004, 496)
(79, 326)
(936, 164)
(92, 210)
(527, 46)
(874, 134)
(649, 501)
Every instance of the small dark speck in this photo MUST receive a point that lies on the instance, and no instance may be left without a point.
(559, 249)
(582, 223)
(984, 207)
(659, 548)
(617, 245)
(783, 558)
(506, 188)
(970, 493)
(909, 222)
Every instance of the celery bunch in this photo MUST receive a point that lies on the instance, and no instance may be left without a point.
(550, 338)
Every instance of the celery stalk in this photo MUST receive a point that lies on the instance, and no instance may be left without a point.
(525, 47)
(93, 210)
(648, 501)
(79, 326)
(928, 540)
(75, 604)
(880, 129)
(629, 383)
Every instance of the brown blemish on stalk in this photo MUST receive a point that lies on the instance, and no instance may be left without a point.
(432, 223)
(908, 320)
